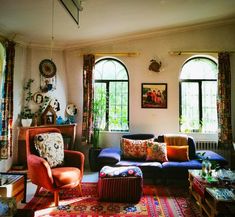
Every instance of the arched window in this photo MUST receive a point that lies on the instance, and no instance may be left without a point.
(111, 95)
(198, 92)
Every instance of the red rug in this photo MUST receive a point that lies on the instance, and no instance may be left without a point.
(156, 201)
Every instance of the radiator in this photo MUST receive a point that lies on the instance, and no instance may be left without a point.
(207, 145)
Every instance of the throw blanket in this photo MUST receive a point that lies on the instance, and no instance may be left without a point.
(176, 140)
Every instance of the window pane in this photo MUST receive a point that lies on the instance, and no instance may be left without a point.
(199, 68)
(189, 106)
(209, 110)
(110, 69)
(99, 106)
(118, 109)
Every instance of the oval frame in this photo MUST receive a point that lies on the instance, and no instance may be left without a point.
(38, 98)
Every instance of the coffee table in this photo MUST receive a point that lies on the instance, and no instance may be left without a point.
(212, 197)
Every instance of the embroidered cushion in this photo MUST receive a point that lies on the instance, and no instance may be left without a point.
(133, 149)
(50, 146)
(110, 172)
(156, 152)
(177, 153)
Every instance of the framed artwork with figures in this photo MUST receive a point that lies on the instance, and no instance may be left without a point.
(154, 95)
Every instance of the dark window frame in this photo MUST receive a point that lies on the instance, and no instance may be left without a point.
(199, 82)
(107, 82)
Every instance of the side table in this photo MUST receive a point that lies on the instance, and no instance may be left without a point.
(15, 186)
(210, 196)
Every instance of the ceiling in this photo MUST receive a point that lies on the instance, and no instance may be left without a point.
(30, 21)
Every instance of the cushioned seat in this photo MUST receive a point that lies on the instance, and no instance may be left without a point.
(150, 169)
(65, 177)
(120, 184)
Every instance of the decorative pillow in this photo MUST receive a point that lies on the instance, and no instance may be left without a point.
(156, 152)
(50, 146)
(133, 149)
(177, 153)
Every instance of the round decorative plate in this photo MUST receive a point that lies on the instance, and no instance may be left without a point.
(47, 68)
(71, 109)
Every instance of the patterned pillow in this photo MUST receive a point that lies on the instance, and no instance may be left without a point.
(156, 152)
(133, 149)
(50, 146)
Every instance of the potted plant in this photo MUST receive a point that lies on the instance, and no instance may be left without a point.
(26, 114)
(98, 114)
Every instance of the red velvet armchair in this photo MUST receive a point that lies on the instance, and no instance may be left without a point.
(53, 179)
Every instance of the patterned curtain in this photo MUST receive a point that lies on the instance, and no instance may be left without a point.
(224, 101)
(7, 102)
(88, 65)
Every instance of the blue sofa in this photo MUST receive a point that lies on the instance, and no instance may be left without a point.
(155, 170)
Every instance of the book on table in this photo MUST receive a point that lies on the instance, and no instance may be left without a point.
(222, 194)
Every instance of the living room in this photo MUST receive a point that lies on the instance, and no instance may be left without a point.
(204, 36)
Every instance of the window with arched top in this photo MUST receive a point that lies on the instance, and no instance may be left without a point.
(198, 93)
(111, 95)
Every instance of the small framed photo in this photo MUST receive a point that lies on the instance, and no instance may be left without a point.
(38, 98)
(154, 95)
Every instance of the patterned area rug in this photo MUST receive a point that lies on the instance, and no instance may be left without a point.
(159, 201)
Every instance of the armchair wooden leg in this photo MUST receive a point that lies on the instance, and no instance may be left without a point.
(37, 190)
(79, 187)
(56, 198)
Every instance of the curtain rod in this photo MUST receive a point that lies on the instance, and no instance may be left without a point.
(119, 54)
(178, 53)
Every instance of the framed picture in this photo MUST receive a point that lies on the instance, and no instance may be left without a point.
(38, 98)
(154, 95)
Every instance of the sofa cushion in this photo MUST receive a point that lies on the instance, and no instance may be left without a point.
(177, 153)
(176, 139)
(156, 152)
(185, 165)
(191, 144)
(109, 156)
(66, 176)
(50, 146)
(133, 149)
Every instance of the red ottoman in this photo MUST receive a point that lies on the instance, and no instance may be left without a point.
(120, 184)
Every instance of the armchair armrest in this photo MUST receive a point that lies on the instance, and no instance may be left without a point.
(40, 171)
(74, 159)
(109, 156)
